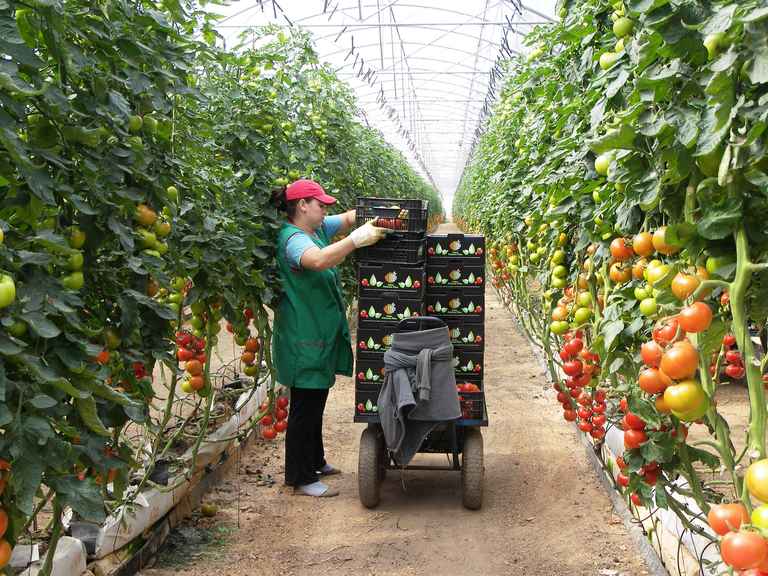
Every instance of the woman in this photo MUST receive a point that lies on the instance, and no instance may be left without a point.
(311, 337)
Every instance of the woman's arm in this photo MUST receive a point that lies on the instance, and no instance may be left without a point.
(315, 258)
(347, 220)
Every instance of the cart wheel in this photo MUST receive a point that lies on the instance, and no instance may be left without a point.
(472, 469)
(369, 468)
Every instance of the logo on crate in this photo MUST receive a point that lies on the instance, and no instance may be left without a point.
(454, 306)
(388, 311)
(471, 251)
(387, 340)
(470, 367)
(391, 280)
(367, 407)
(455, 275)
(369, 345)
(456, 335)
(371, 376)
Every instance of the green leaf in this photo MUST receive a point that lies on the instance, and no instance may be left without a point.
(660, 447)
(712, 338)
(83, 496)
(26, 473)
(9, 30)
(40, 324)
(707, 458)
(87, 409)
(719, 221)
(611, 330)
(686, 122)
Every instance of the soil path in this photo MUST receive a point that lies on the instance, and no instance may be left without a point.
(544, 510)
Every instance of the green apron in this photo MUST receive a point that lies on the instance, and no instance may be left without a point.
(310, 343)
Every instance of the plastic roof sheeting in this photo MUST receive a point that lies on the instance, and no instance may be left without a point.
(426, 74)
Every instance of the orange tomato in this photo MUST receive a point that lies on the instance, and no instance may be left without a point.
(643, 244)
(252, 344)
(660, 243)
(248, 357)
(193, 367)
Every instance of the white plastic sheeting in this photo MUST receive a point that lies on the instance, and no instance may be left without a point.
(426, 73)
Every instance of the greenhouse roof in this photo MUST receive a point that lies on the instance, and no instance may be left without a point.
(426, 74)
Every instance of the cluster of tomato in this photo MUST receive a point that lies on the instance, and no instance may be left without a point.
(274, 419)
(5, 547)
(501, 270)
(734, 365)
(671, 363)
(467, 403)
(579, 364)
(742, 546)
(242, 335)
(191, 351)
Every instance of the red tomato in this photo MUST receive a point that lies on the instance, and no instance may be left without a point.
(743, 550)
(651, 477)
(733, 357)
(269, 433)
(632, 422)
(585, 426)
(562, 397)
(735, 371)
(598, 419)
(597, 432)
(267, 420)
(599, 407)
(695, 318)
(633, 438)
(636, 499)
(665, 332)
(621, 249)
(183, 338)
(680, 361)
(724, 518)
(281, 414)
(281, 425)
(729, 340)
(622, 479)
(574, 346)
(650, 381)
(620, 461)
(184, 354)
(582, 380)
(623, 404)
(570, 415)
(584, 413)
(573, 368)
(564, 356)
(651, 353)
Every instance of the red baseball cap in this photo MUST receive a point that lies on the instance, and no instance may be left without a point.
(308, 189)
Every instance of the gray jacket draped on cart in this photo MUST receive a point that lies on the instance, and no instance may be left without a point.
(419, 390)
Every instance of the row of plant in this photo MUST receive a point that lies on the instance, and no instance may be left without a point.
(137, 159)
(621, 184)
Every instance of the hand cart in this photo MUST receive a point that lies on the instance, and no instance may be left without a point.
(455, 437)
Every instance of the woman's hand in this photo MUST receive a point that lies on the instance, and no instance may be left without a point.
(369, 233)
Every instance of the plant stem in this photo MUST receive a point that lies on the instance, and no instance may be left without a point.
(55, 535)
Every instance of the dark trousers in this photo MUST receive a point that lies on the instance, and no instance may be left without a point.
(304, 453)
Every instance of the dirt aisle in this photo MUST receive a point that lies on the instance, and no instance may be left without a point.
(544, 510)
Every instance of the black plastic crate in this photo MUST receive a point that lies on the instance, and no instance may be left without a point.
(408, 281)
(467, 275)
(396, 213)
(399, 248)
(467, 364)
(472, 403)
(450, 246)
(366, 402)
(457, 303)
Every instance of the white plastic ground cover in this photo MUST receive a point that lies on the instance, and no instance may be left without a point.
(69, 560)
(129, 522)
(697, 545)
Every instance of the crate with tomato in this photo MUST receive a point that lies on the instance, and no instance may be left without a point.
(408, 221)
(467, 334)
(456, 303)
(472, 399)
(467, 364)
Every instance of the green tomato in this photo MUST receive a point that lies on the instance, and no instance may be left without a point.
(711, 42)
(759, 517)
(198, 333)
(559, 327)
(74, 281)
(716, 263)
(605, 62)
(216, 313)
(650, 266)
(174, 306)
(602, 163)
(581, 315)
(173, 193)
(657, 274)
(709, 163)
(150, 124)
(240, 340)
(76, 237)
(197, 307)
(585, 299)
(7, 290)
(558, 257)
(178, 283)
(559, 271)
(694, 414)
(74, 262)
(649, 308)
(111, 338)
(622, 27)
(213, 328)
(197, 321)
(146, 238)
(535, 257)
(559, 282)
(135, 124)
(160, 247)
(17, 329)
(599, 221)
(641, 293)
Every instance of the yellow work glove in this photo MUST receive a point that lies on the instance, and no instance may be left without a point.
(369, 233)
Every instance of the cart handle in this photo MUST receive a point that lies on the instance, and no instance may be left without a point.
(417, 322)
